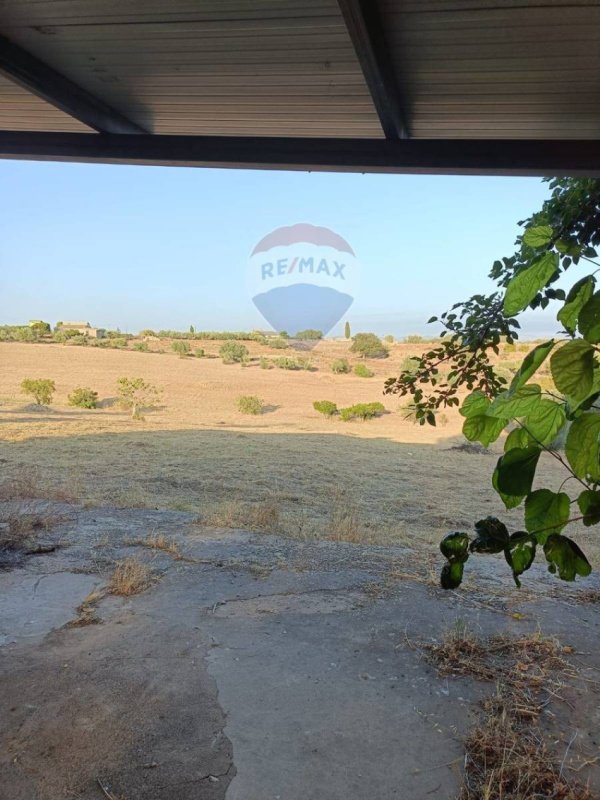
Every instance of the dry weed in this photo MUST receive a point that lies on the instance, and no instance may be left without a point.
(26, 484)
(21, 527)
(262, 516)
(130, 577)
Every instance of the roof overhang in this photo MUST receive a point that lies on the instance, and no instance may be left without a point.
(416, 86)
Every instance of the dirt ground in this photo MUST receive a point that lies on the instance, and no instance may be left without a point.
(289, 470)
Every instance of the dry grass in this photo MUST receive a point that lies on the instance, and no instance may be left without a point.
(26, 483)
(130, 577)
(262, 516)
(86, 611)
(21, 527)
(506, 755)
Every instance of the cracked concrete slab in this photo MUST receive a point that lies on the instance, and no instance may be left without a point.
(267, 670)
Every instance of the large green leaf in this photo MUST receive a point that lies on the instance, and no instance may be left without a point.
(526, 284)
(452, 574)
(589, 319)
(546, 513)
(531, 363)
(538, 236)
(582, 447)
(474, 404)
(563, 554)
(589, 505)
(517, 438)
(545, 421)
(510, 501)
(578, 296)
(492, 536)
(483, 429)
(455, 546)
(516, 470)
(520, 553)
(573, 369)
(515, 403)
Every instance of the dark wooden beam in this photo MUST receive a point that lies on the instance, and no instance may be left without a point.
(429, 156)
(366, 31)
(40, 79)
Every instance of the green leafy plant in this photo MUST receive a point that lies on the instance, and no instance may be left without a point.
(368, 345)
(233, 353)
(284, 362)
(137, 395)
(325, 407)
(340, 366)
(41, 389)
(141, 347)
(363, 371)
(181, 347)
(563, 234)
(83, 397)
(278, 343)
(265, 363)
(309, 334)
(250, 404)
(362, 411)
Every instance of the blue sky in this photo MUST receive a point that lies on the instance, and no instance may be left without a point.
(135, 247)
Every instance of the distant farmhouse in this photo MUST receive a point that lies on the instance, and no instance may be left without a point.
(84, 328)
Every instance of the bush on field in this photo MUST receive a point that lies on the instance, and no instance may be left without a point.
(199, 352)
(233, 353)
(41, 389)
(83, 397)
(136, 394)
(250, 404)
(278, 343)
(340, 366)
(410, 364)
(368, 345)
(147, 332)
(325, 407)
(362, 411)
(285, 362)
(258, 336)
(309, 334)
(181, 347)
(414, 338)
(265, 363)
(141, 347)
(389, 338)
(363, 371)
(79, 340)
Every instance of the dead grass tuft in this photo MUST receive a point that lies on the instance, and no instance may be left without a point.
(21, 527)
(26, 484)
(262, 516)
(130, 577)
(506, 755)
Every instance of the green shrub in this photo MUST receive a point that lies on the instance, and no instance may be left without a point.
(83, 397)
(340, 366)
(181, 347)
(141, 347)
(325, 407)
(363, 371)
(79, 340)
(410, 364)
(258, 336)
(362, 411)
(265, 363)
(284, 334)
(278, 343)
(136, 394)
(250, 404)
(414, 338)
(147, 332)
(368, 345)
(41, 389)
(389, 338)
(118, 342)
(233, 352)
(285, 362)
(199, 352)
(310, 334)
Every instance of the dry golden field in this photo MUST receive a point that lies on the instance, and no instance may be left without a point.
(289, 470)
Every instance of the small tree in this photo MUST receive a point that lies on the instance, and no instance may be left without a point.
(136, 395)
(39, 327)
(368, 345)
(192, 331)
(41, 389)
(181, 347)
(389, 338)
(233, 352)
(340, 366)
(83, 397)
(347, 330)
(309, 334)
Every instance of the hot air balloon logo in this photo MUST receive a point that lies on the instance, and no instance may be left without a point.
(302, 276)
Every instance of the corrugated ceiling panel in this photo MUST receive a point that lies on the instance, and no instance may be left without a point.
(192, 67)
(485, 69)
(20, 110)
